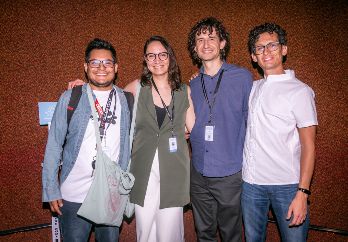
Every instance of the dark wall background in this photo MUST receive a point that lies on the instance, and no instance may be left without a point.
(42, 47)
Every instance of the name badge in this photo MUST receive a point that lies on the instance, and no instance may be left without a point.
(173, 146)
(209, 133)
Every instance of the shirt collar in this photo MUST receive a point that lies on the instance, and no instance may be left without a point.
(224, 66)
(289, 74)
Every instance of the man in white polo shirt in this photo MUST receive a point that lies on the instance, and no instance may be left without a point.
(280, 142)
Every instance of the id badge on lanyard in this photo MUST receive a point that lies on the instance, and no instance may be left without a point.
(173, 145)
(209, 128)
(209, 133)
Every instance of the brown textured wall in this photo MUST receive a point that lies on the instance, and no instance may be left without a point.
(42, 45)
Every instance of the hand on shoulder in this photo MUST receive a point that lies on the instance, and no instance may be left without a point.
(194, 75)
(75, 83)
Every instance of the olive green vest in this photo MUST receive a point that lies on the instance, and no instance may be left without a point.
(174, 167)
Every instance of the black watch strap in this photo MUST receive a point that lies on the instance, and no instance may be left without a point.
(306, 191)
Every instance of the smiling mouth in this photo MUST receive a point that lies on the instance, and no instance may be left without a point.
(267, 59)
(207, 51)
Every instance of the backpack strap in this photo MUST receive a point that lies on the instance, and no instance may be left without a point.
(75, 98)
(130, 102)
(73, 102)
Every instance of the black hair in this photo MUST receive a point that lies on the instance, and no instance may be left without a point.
(174, 75)
(208, 24)
(100, 45)
(270, 28)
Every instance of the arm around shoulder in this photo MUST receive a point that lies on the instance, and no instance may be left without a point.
(132, 86)
(190, 114)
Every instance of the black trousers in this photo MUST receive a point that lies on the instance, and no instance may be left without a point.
(216, 204)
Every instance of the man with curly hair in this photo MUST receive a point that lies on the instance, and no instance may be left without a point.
(220, 98)
(279, 144)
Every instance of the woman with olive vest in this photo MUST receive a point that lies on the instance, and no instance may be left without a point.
(160, 156)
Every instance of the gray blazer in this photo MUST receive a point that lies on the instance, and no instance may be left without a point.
(174, 167)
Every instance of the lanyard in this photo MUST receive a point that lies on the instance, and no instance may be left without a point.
(103, 115)
(214, 96)
(170, 115)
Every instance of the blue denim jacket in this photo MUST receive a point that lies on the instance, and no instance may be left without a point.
(55, 152)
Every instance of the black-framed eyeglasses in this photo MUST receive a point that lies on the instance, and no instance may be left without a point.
(272, 46)
(152, 56)
(95, 63)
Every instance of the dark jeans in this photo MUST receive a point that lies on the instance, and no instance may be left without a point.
(77, 229)
(216, 203)
(256, 201)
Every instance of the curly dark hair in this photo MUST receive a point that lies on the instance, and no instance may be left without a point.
(174, 74)
(208, 24)
(254, 34)
(100, 45)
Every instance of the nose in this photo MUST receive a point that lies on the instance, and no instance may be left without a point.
(205, 43)
(266, 51)
(101, 66)
(157, 60)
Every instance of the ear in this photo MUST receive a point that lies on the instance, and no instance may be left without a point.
(222, 44)
(86, 67)
(284, 50)
(116, 68)
(253, 56)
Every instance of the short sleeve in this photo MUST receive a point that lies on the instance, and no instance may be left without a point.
(303, 107)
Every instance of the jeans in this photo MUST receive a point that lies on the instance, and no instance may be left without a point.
(256, 201)
(76, 229)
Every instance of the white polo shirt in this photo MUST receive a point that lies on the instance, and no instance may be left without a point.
(278, 105)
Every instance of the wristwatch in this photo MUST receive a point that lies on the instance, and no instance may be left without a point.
(306, 191)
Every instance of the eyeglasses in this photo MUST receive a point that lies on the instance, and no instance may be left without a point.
(272, 46)
(96, 63)
(161, 56)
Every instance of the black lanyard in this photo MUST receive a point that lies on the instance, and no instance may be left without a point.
(170, 115)
(214, 96)
(103, 117)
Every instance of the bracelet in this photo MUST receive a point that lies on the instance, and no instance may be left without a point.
(306, 191)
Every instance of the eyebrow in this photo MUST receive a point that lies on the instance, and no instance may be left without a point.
(100, 59)
(209, 36)
(260, 45)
